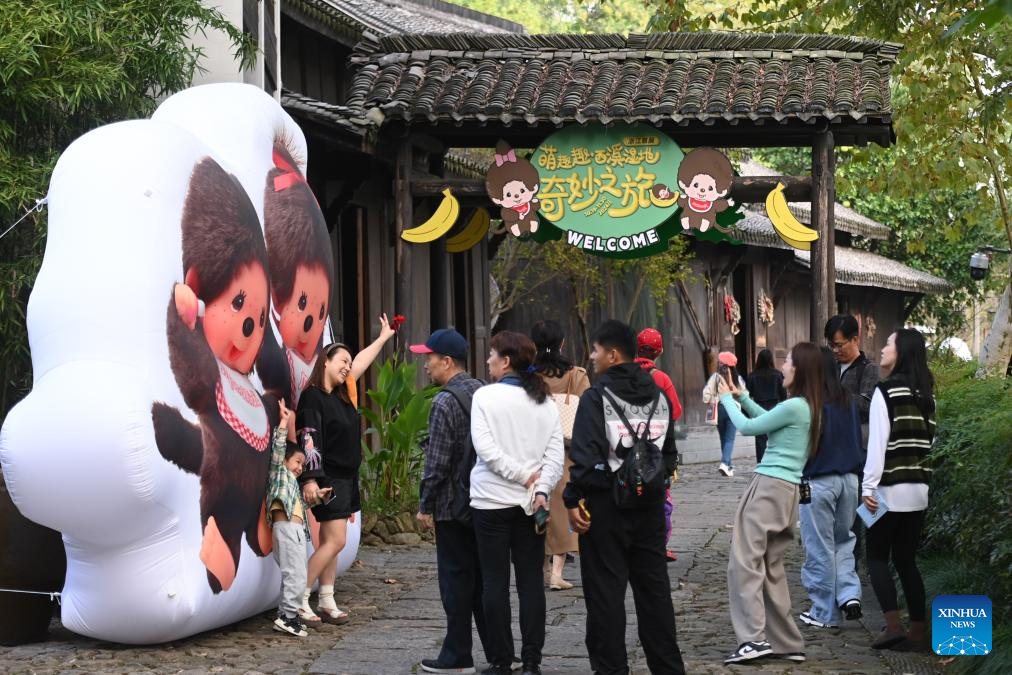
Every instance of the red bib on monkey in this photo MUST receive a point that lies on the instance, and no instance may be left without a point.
(699, 205)
(241, 408)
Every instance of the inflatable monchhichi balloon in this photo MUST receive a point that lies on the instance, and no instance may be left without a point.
(184, 289)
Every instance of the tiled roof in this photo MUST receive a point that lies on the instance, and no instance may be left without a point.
(682, 77)
(847, 220)
(344, 117)
(469, 162)
(757, 230)
(864, 268)
(853, 266)
(384, 17)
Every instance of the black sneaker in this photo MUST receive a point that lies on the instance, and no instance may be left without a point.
(749, 651)
(435, 666)
(290, 625)
(852, 610)
(532, 669)
(497, 670)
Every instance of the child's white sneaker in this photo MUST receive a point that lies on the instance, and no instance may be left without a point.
(292, 626)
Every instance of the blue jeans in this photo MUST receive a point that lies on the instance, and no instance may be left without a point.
(828, 573)
(726, 430)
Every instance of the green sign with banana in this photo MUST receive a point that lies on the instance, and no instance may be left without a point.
(619, 191)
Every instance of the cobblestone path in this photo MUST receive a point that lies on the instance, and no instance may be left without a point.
(394, 600)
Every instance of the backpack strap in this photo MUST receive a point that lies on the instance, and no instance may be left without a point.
(625, 420)
(463, 398)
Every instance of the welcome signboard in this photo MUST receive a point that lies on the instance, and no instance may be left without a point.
(597, 185)
(620, 191)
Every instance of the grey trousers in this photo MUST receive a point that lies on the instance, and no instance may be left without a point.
(756, 583)
(290, 553)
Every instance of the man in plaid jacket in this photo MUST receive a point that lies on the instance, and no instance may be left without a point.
(460, 584)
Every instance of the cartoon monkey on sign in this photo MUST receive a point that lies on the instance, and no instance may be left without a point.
(512, 183)
(705, 177)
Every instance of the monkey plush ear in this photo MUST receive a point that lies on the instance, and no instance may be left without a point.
(497, 202)
(191, 280)
(534, 190)
(685, 188)
(723, 193)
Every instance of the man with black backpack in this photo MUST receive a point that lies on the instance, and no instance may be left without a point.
(444, 502)
(623, 452)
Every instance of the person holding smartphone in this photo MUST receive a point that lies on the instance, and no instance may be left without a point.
(517, 436)
(726, 430)
(758, 594)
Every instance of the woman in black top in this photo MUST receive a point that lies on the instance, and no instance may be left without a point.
(330, 430)
(766, 387)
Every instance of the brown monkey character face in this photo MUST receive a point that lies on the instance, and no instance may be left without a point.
(515, 194)
(703, 187)
(661, 191)
(303, 317)
(234, 322)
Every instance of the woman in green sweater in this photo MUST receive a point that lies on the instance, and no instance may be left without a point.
(759, 597)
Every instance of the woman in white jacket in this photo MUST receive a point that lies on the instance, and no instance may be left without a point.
(517, 437)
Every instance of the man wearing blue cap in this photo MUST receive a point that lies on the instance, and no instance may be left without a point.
(447, 462)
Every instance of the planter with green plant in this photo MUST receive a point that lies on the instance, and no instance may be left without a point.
(398, 416)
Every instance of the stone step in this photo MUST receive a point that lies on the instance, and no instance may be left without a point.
(703, 446)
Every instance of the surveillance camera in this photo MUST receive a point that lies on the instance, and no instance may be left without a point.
(979, 264)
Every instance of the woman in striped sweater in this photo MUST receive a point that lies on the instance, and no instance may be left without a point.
(901, 430)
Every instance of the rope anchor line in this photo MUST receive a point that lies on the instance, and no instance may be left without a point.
(53, 595)
(39, 203)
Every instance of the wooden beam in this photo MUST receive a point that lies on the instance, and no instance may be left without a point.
(403, 218)
(744, 189)
(823, 298)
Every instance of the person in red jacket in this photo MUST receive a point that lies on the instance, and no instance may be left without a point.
(650, 346)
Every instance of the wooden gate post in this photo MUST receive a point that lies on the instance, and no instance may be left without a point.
(823, 263)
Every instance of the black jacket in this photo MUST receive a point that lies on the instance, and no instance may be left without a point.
(590, 447)
(766, 387)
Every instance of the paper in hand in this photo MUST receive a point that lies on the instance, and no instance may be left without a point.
(867, 516)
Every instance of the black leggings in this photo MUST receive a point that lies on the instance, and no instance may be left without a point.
(897, 536)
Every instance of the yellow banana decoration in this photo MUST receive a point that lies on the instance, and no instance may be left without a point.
(471, 235)
(787, 226)
(663, 203)
(439, 224)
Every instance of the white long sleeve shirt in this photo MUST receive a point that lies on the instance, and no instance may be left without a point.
(513, 437)
(899, 497)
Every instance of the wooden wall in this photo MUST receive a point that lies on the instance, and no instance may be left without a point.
(785, 282)
(445, 289)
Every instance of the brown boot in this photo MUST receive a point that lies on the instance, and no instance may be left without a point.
(891, 634)
(915, 641)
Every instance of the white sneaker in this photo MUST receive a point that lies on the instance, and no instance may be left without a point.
(291, 626)
(724, 469)
(806, 617)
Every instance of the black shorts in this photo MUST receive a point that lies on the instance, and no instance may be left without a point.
(344, 499)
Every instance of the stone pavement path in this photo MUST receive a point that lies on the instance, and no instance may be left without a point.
(397, 624)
